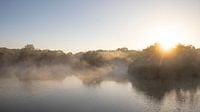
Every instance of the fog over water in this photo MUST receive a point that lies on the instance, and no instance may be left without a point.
(103, 89)
(99, 55)
(97, 81)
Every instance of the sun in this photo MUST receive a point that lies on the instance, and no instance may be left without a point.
(167, 44)
(167, 36)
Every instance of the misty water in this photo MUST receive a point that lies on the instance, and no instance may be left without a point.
(72, 94)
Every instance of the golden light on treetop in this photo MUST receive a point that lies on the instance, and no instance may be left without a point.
(167, 36)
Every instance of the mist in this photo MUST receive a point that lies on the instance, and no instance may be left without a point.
(91, 67)
(149, 71)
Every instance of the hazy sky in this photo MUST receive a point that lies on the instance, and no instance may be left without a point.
(80, 25)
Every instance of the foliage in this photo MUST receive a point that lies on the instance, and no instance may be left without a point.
(29, 55)
(181, 63)
(93, 58)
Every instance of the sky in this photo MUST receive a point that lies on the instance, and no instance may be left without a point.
(82, 25)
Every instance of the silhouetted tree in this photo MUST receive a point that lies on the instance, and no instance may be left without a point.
(153, 64)
(123, 49)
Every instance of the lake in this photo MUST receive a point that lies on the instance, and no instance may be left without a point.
(72, 94)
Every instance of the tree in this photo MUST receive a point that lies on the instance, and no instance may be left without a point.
(29, 47)
(123, 49)
(93, 58)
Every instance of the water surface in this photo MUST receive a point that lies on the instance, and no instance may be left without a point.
(71, 94)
